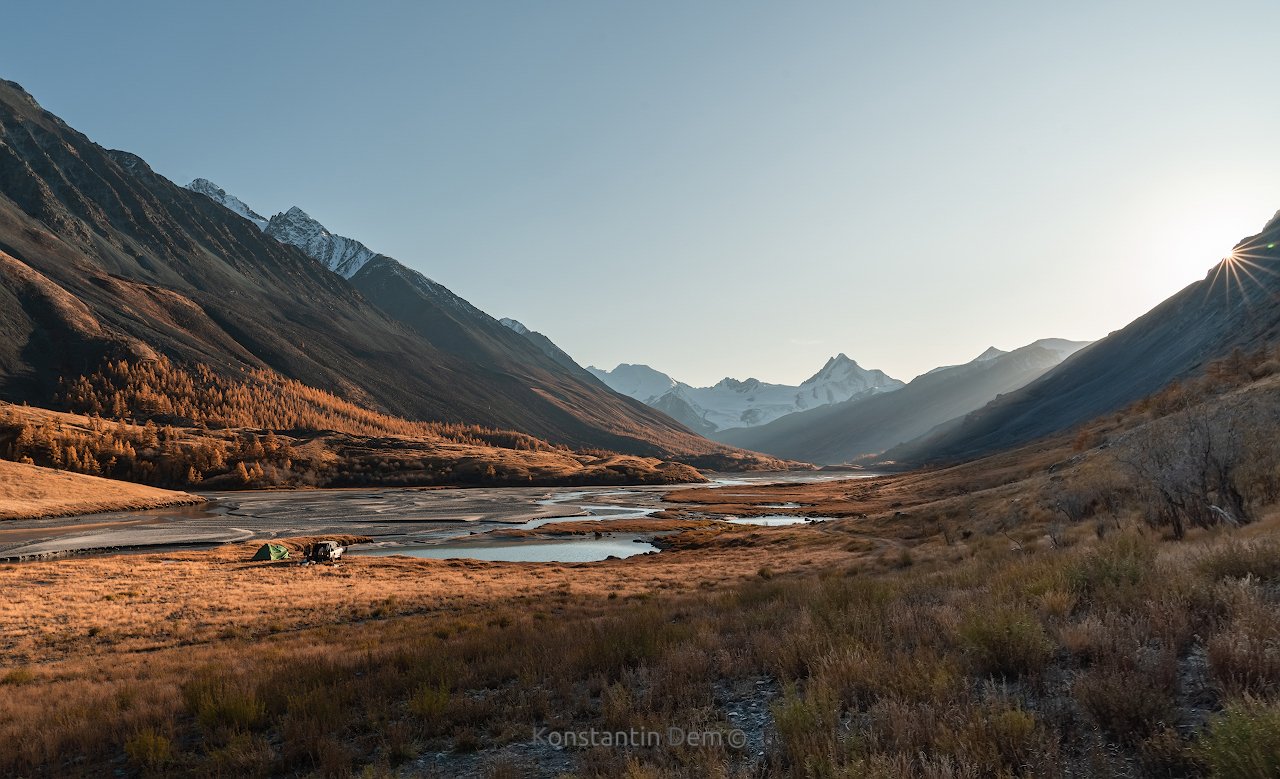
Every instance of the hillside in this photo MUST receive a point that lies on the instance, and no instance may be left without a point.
(1233, 307)
(28, 491)
(101, 258)
(367, 451)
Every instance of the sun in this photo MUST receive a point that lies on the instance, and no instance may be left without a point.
(1187, 223)
(1241, 271)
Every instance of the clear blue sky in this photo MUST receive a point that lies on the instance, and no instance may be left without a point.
(715, 188)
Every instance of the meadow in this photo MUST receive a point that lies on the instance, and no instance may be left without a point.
(1052, 611)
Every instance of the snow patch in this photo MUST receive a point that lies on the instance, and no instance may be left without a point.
(512, 324)
(232, 203)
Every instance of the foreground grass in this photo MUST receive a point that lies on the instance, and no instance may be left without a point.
(1128, 656)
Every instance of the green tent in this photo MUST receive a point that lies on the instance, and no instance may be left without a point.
(272, 552)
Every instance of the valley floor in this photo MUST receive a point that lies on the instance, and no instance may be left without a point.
(1020, 615)
(925, 631)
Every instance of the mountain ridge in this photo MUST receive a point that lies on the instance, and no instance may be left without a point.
(106, 258)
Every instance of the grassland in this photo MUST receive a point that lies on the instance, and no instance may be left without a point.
(28, 491)
(1033, 614)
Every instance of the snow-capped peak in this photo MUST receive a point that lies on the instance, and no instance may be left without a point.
(513, 324)
(837, 367)
(638, 381)
(342, 255)
(730, 383)
(733, 403)
(232, 203)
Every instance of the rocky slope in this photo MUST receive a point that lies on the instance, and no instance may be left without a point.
(547, 347)
(344, 256)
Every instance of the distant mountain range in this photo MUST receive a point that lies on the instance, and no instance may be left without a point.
(101, 258)
(731, 403)
(842, 432)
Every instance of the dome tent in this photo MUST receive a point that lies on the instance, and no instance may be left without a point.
(272, 552)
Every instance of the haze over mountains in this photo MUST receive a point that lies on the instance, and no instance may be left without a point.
(731, 403)
(101, 258)
(1233, 307)
(845, 431)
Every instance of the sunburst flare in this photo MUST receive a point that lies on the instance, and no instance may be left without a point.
(1240, 271)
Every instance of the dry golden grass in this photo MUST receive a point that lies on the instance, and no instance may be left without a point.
(954, 622)
(106, 605)
(203, 663)
(27, 491)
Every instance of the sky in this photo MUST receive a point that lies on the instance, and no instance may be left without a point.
(715, 188)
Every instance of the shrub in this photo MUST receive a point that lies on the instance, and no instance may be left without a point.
(1166, 753)
(858, 676)
(149, 750)
(1245, 657)
(806, 725)
(222, 703)
(17, 676)
(1241, 559)
(1005, 642)
(429, 702)
(1243, 742)
(1123, 562)
(245, 755)
(1056, 604)
(998, 737)
(1129, 697)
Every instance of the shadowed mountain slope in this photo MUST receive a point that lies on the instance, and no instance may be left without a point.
(100, 258)
(1236, 306)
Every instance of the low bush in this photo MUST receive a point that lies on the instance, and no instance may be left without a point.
(1118, 563)
(223, 703)
(1243, 742)
(1005, 642)
(1244, 656)
(1129, 697)
(148, 750)
(1241, 559)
